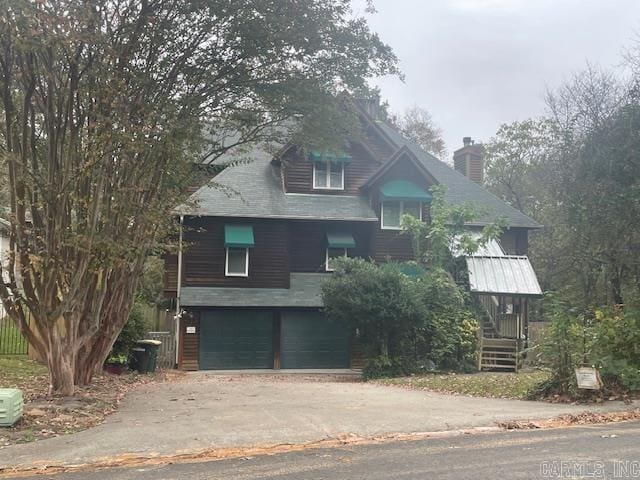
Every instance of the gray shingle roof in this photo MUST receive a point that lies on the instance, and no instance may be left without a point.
(460, 189)
(254, 189)
(305, 291)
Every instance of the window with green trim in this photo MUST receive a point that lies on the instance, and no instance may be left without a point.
(237, 262)
(328, 176)
(391, 213)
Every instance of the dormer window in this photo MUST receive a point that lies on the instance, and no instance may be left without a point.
(328, 169)
(328, 176)
(392, 212)
(398, 198)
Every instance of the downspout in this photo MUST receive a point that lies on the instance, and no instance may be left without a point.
(179, 291)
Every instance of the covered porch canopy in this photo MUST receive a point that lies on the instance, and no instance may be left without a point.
(510, 275)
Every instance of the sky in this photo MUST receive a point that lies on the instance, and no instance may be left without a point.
(476, 64)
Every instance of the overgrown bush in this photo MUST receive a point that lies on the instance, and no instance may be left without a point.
(405, 324)
(455, 329)
(135, 329)
(607, 338)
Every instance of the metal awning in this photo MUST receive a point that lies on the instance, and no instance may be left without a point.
(318, 156)
(490, 249)
(404, 190)
(238, 236)
(340, 240)
(504, 275)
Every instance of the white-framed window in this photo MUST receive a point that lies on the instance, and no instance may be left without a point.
(237, 262)
(332, 254)
(391, 213)
(328, 176)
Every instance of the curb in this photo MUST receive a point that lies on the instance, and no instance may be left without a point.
(214, 454)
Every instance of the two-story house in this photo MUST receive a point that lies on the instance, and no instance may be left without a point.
(262, 235)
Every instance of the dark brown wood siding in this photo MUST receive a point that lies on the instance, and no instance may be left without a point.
(515, 241)
(298, 172)
(189, 342)
(204, 255)
(170, 275)
(308, 242)
(391, 245)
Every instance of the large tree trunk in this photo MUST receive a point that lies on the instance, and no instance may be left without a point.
(117, 306)
(61, 362)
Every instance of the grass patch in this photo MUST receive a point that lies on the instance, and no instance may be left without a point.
(481, 384)
(18, 371)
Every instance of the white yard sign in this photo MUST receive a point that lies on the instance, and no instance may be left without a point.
(588, 378)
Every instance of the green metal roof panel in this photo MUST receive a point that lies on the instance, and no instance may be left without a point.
(504, 274)
(340, 240)
(238, 236)
(404, 190)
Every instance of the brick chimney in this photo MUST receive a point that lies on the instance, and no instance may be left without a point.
(469, 160)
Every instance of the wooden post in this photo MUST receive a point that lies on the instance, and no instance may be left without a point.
(480, 338)
(277, 334)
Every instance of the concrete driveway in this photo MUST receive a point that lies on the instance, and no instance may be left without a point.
(205, 412)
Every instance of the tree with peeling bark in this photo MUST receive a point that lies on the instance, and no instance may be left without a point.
(103, 107)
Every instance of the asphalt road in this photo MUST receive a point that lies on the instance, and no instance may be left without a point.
(605, 451)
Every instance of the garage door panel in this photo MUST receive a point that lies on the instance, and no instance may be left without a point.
(310, 340)
(236, 340)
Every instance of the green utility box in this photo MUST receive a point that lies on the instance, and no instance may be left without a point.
(11, 404)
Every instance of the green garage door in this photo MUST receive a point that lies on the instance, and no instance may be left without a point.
(236, 339)
(309, 340)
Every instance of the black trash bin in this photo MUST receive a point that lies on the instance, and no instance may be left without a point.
(151, 348)
(140, 359)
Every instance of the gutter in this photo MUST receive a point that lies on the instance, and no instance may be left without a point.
(179, 291)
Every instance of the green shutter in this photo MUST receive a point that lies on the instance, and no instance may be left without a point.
(318, 156)
(404, 190)
(340, 240)
(238, 236)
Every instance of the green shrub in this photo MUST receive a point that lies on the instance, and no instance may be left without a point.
(455, 329)
(607, 338)
(135, 329)
(405, 324)
(614, 345)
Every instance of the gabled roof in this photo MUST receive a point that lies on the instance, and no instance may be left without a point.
(401, 153)
(460, 189)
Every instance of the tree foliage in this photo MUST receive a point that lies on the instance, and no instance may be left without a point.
(447, 230)
(408, 323)
(104, 108)
(577, 173)
(604, 337)
(405, 324)
(417, 124)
